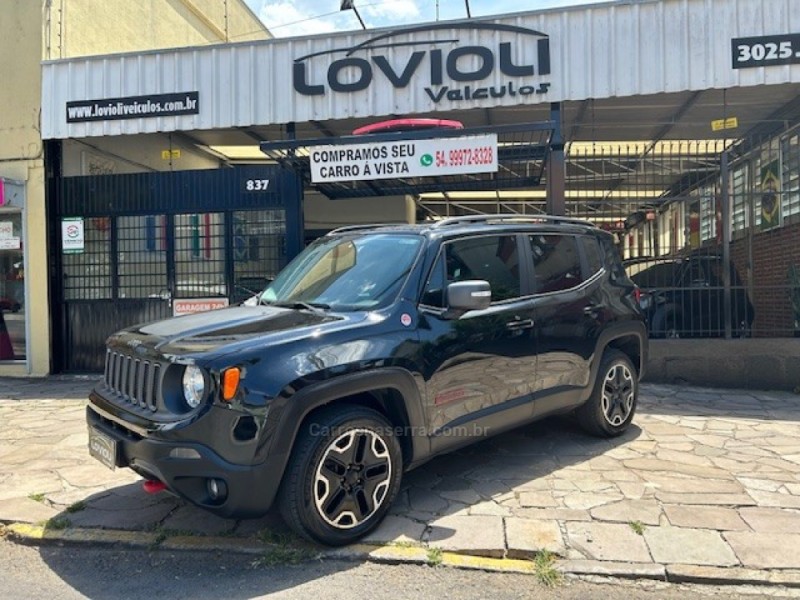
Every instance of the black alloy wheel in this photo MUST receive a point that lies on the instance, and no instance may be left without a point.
(342, 476)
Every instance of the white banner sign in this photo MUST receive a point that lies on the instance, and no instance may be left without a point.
(11, 243)
(401, 159)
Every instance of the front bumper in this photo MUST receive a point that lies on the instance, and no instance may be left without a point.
(186, 467)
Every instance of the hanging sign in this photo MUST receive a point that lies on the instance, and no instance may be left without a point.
(402, 159)
(72, 235)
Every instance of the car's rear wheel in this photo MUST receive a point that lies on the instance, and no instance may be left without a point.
(343, 475)
(609, 410)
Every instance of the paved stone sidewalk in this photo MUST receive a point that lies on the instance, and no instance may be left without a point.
(709, 478)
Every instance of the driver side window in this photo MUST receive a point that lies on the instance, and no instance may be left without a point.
(490, 258)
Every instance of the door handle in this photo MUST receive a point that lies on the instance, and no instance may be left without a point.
(520, 324)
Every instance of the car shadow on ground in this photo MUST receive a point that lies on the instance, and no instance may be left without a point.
(474, 479)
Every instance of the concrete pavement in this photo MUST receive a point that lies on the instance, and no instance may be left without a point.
(705, 486)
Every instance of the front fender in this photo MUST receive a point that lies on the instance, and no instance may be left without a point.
(287, 412)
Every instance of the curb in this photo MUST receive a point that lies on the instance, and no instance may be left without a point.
(25, 533)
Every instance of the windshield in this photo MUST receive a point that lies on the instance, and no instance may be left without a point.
(347, 273)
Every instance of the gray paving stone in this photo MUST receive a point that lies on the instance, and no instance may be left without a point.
(426, 501)
(693, 485)
(705, 517)
(138, 518)
(652, 464)
(706, 499)
(538, 500)
(775, 499)
(689, 546)
(462, 496)
(25, 510)
(771, 520)
(491, 508)
(480, 535)
(625, 511)
(557, 514)
(766, 550)
(584, 501)
(606, 541)
(526, 537)
(396, 530)
(612, 569)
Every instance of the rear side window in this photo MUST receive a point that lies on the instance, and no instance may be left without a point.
(655, 275)
(556, 262)
(594, 257)
(492, 258)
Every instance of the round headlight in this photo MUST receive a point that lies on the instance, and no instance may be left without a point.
(193, 385)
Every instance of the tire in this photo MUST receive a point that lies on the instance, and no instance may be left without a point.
(342, 476)
(609, 410)
(666, 325)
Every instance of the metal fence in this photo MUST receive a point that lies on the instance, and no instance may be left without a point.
(666, 204)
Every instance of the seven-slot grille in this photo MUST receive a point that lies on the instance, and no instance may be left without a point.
(134, 380)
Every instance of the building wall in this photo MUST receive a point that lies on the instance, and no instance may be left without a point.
(21, 159)
(773, 253)
(321, 214)
(70, 26)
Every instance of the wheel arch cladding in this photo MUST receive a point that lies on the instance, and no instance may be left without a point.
(388, 402)
(631, 346)
(391, 392)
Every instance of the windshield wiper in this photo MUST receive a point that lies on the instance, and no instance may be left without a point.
(315, 307)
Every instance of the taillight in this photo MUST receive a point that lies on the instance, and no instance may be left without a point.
(637, 294)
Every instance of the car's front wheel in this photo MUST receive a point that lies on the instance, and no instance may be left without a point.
(610, 409)
(343, 475)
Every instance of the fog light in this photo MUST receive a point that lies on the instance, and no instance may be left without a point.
(217, 489)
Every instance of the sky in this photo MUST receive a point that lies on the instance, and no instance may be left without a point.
(308, 17)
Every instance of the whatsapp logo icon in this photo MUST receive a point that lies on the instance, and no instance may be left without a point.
(426, 160)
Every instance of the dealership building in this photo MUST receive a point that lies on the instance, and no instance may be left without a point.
(180, 180)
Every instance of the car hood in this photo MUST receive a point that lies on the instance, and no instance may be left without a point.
(223, 328)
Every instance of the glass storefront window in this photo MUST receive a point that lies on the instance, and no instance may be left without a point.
(142, 256)
(200, 255)
(12, 287)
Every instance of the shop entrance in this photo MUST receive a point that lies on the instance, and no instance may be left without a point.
(147, 246)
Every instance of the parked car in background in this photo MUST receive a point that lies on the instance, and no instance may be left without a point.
(9, 304)
(683, 296)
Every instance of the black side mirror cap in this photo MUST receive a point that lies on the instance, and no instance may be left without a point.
(464, 296)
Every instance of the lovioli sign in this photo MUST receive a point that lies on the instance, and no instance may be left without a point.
(439, 63)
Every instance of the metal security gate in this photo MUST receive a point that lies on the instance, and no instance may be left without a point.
(150, 245)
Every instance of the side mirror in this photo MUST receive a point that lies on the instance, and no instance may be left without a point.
(464, 296)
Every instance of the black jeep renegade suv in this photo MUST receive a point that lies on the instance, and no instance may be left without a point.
(374, 350)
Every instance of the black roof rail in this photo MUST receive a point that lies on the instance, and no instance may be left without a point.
(364, 226)
(450, 221)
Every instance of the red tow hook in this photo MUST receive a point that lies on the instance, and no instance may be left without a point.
(153, 486)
